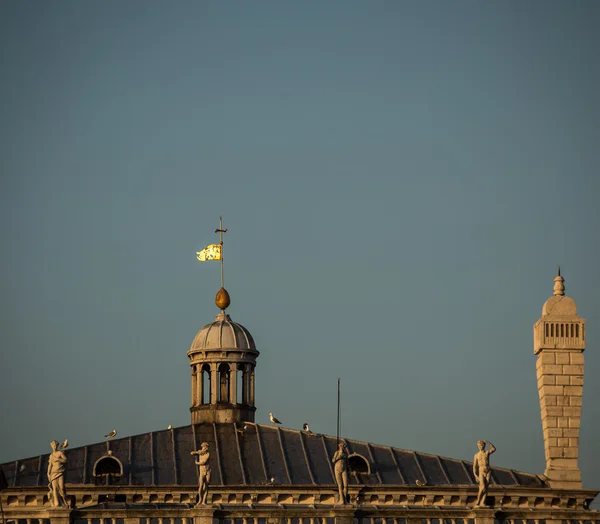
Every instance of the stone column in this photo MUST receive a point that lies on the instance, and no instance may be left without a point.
(560, 388)
(245, 377)
(194, 385)
(233, 383)
(214, 383)
(251, 399)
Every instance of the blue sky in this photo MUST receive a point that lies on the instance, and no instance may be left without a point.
(399, 181)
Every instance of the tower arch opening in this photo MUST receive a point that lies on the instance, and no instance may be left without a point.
(205, 381)
(224, 378)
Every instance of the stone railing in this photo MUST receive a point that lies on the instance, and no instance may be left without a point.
(296, 505)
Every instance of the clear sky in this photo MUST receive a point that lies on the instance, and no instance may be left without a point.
(399, 180)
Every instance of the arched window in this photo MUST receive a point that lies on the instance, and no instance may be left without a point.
(358, 464)
(224, 383)
(108, 468)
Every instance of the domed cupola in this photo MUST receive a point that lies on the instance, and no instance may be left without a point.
(223, 333)
(223, 357)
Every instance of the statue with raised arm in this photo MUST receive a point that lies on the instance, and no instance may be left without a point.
(203, 473)
(340, 468)
(57, 464)
(481, 470)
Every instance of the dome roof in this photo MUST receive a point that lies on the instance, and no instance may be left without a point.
(223, 334)
(559, 306)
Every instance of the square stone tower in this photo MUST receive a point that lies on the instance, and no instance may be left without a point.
(559, 342)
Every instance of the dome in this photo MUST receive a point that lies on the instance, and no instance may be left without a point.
(223, 334)
(559, 306)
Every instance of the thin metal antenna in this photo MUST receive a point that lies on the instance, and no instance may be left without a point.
(220, 230)
(2, 511)
(337, 439)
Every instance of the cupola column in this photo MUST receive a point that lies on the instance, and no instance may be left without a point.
(251, 400)
(233, 383)
(559, 342)
(246, 385)
(214, 383)
(194, 385)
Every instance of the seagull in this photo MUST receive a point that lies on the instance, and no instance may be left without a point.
(23, 467)
(244, 428)
(169, 426)
(65, 444)
(420, 483)
(306, 428)
(273, 419)
(272, 480)
(112, 434)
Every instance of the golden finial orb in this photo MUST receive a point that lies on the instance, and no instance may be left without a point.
(222, 299)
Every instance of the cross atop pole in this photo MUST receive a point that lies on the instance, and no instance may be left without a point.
(220, 230)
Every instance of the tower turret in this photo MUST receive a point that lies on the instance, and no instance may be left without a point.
(559, 342)
(223, 357)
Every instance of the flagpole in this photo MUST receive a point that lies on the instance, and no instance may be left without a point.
(221, 231)
(221, 242)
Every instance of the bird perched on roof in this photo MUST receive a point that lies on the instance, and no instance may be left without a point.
(306, 428)
(65, 444)
(420, 483)
(112, 434)
(169, 426)
(273, 419)
(272, 480)
(22, 468)
(242, 429)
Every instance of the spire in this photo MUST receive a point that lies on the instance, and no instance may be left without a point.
(222, 299)
(559, 285)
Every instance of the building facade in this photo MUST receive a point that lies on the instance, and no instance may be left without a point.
(265, 474)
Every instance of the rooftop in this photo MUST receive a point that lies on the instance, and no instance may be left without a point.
(253, 457)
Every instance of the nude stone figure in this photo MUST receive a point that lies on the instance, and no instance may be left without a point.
(56, 477)
(340, 461)
(481, 470)
(203, 473)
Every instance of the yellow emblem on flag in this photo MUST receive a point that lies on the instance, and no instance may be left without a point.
(212, 252)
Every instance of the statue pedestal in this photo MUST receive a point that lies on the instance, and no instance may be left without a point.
(202, 514)
(484, 515)
(59, 515)
(343, 513)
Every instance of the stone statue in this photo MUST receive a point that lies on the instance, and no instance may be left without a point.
(340, 461)
(56, 477)
(481, 470)
(203, 473)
